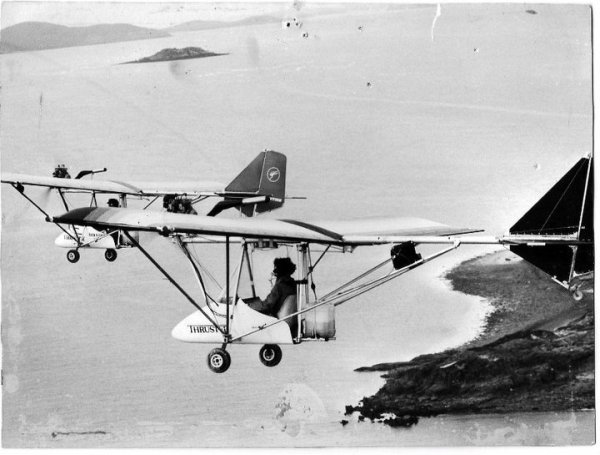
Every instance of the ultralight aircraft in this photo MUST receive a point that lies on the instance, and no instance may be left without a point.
(556, 235)
(258, 188)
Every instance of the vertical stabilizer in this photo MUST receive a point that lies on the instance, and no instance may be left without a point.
(263, 178)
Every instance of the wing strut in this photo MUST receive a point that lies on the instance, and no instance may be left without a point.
(343, 293)
(151, 202)
(250, 274)
(188, 255)
(62, 197)
(173, 282)
(227, 283)
(21, 190)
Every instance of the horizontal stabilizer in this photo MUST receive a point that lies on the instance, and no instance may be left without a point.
(555, 260)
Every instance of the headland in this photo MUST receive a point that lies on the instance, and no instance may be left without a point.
(535, 353)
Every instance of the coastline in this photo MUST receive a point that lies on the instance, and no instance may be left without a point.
(535, 352)
(522, 296)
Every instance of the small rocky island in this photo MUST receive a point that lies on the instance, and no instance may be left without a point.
(170, 54)
(536, 353)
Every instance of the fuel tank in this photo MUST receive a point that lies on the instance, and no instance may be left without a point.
(319, 323)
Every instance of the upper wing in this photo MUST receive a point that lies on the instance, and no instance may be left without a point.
(116, 187)
(340, 232)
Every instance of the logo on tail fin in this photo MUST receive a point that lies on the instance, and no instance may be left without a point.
(273, 174)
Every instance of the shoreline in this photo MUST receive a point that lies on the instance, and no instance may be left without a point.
(521, 296)
(534, 353)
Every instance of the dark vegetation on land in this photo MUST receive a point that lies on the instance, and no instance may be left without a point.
(169, 54)
(536, 353)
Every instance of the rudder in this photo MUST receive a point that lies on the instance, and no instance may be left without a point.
(263, 177)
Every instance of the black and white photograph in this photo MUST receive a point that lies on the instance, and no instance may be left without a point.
(297, 224)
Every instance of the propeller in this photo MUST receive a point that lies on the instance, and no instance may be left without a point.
(45, 198)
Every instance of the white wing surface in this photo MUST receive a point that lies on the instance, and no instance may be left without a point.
(117, 187)
(327, 232)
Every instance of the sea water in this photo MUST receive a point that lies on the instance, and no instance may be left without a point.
(379, 114)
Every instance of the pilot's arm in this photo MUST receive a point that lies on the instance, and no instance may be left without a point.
(266, 306)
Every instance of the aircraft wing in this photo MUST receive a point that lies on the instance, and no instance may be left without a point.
(190, 188)
(326, 232)
(117, 187)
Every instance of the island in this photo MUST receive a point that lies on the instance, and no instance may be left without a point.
(35, 36)
(536, 353)
(169, 54)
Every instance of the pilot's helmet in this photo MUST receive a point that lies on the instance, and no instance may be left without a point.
(283, 267)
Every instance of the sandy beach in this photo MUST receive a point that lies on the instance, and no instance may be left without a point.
(535, 353)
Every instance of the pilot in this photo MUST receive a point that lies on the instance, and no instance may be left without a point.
(284, 286)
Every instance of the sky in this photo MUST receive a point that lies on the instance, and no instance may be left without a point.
(153, 14)
(165, 13)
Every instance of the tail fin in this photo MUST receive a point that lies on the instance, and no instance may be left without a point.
(566, 210)
(259, 188)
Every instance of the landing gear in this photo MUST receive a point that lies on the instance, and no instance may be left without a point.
(577, 295)
(270, 355)
(219, 360)
(73, 256)
(110, 255)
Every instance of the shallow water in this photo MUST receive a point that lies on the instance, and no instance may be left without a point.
(442, 132)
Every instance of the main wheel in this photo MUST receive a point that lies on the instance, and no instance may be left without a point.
(110, 255)
(270, 355)
(219, 360)
(73, 256)
(577, 295)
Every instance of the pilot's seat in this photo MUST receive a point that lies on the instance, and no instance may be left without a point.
(289, 307)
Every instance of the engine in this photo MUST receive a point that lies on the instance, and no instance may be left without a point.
(404, 254)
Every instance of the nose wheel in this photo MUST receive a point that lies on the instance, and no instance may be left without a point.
(270, 355)
(219, 360)
(72, 256)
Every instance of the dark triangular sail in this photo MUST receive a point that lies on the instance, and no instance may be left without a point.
(566, 210)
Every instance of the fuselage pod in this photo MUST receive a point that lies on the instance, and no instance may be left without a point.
(88, 238)
(197, 328)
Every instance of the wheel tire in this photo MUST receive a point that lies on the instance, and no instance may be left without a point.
(270, 355)
(110, 255)
(577, 295)
(219, 360)
(72, 256)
